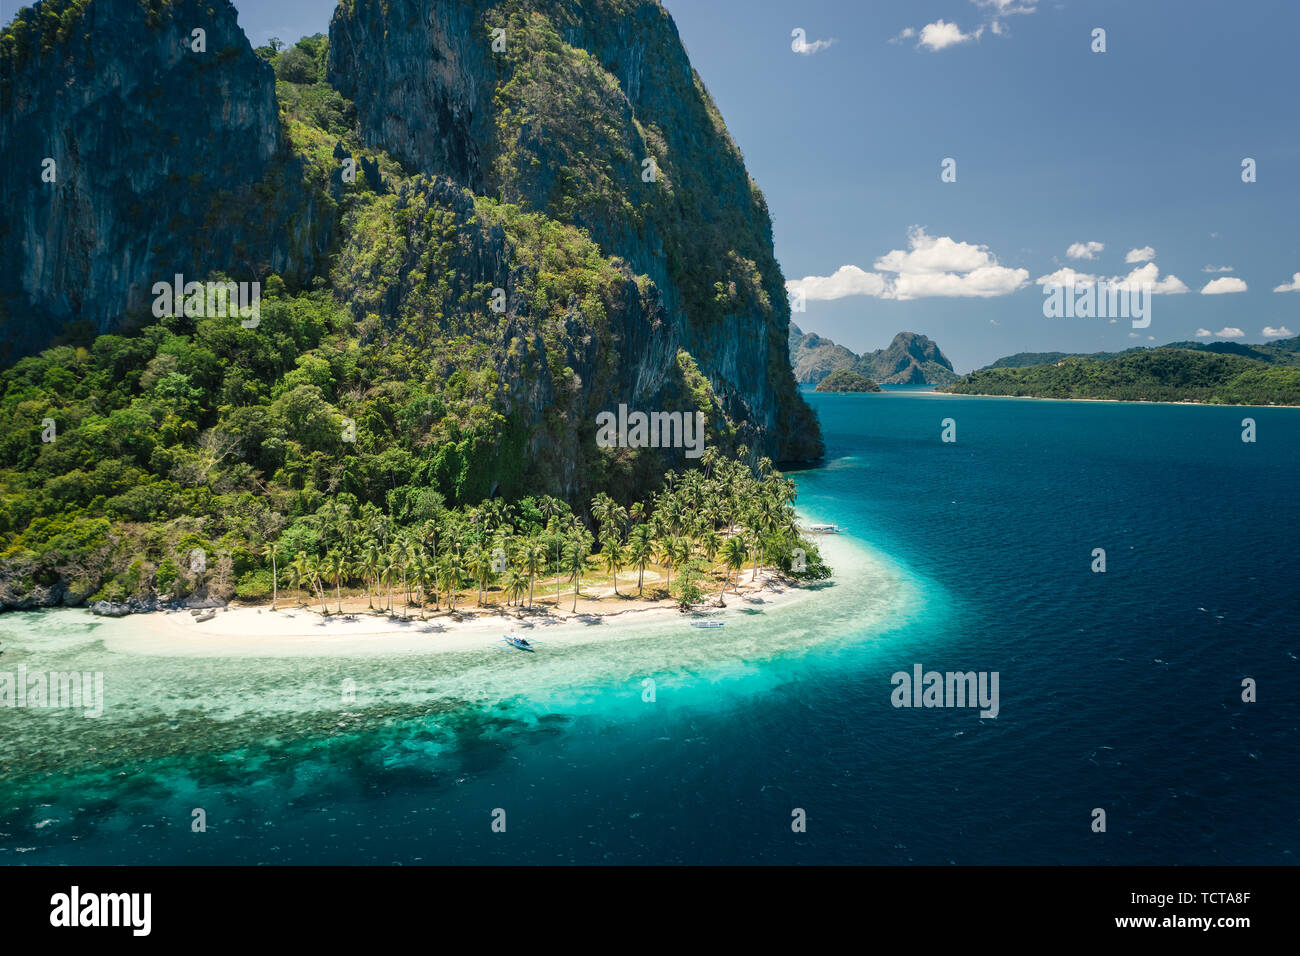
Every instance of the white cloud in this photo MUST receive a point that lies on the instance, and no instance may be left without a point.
(844, 282)
(1145, 254)
(940, 35)
(1272, 333)
(1084, 250)
(1203, 333)
(1066, 276)
(1292, 286)
(1223, 285)
(905, 34)
(802, 46)
(941, 266)
(1229, 333)
(1146, 275)
(934, 254)
(1217, 269)
(994, 322)
(1134, 335)
(931, 266)
(1150, 274)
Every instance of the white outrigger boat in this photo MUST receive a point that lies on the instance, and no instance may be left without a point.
(823, 529)
(518, 643)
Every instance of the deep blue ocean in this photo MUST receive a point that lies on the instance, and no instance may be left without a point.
(1119, 690)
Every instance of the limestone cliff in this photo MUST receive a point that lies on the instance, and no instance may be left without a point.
(590, 112)
(167, 157)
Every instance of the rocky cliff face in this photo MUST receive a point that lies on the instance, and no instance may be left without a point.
(167, 159)
(910, 359)
(590, 112)
(813, 357)
(614, 341)
(174, 159)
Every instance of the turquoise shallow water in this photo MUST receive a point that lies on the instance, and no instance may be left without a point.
(1119, 691)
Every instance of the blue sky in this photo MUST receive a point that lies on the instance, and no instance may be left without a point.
(1138, 149)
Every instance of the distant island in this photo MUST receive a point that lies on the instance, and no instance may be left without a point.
(847, 380)
(910, 359)
(1218, 374)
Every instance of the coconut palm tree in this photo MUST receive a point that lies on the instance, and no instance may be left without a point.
(336, 565)
(734, 552)
(611, 516)
(370, 571)
(396, 567)
(516, 584)
(710, 544)
(314, 572)
(383, 579)
(409, 551)
(681, 551)
(270, 553)
(665, 552)
(479, 562)
(298, 575)
(449, 578)
(613, 557)
(641, 547)
(420, 574)
(576, 550)
(534, 555)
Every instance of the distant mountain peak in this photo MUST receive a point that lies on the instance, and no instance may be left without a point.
(910, 359)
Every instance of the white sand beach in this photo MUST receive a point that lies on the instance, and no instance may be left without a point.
(295, 630)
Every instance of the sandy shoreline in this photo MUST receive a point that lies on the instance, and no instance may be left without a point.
(292, 630)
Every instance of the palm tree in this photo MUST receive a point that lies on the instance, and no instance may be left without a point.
(409, 552)
(666, 546)
(534, 559)
(559, 540)
(314, 577)
(396, 562)
(549, 507)
(370, 571)
(421, 572)
(765, 514)
(516, 584)
(449, 578)
(384, 578)
(710, 544)
(640, 551)
(337, 567)
(479, 561)
(298, 575)
(575, 555)
(613, 557)
(611, 516)
(734, 553)
(271, 552)
(681, 551)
